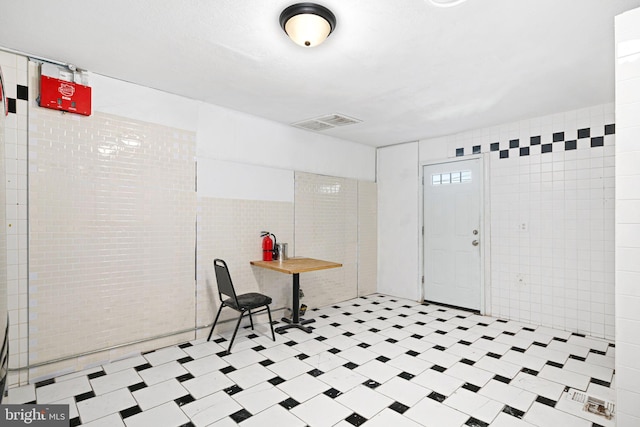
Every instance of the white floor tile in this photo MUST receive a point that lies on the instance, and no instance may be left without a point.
(359, 355)
(418, 345)
(260, 397)
(592, 371)
(158, 394)
(438, 382)
(321, 411)
(406, 392)
(71, 402)
(206, 348)
(342, 379)
(410, 364)
(509, 395)
(251, 375)
(211, 408)
(469, 374)
(84, 372)
(303, 387)
(289, 368)
(113, 420)
(565, 377)
(167, 415)
(475, 405)
(430, 413)
(115, 381)
(364, 401)
(601, 360)
(123, 364)
(164, 355)
(388, 418)
(341, 342)
(240, 359)
(566, 347)
(492, 346)
(276, 416)
(204, 365)
(545, 416)
(58, 391)
(378, 371)
(440, 358)
(279, 352)
(524, 360)
(312, 347)
(591, 343)
(547, 354)
(506, 420)
(325, 361)
(106, 404)
(161, 373)
(540, 386)
(207, 384)
(498, 367)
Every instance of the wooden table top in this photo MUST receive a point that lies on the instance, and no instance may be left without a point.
(296, 265)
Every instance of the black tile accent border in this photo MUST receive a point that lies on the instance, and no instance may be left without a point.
(477, 149)
(495, 146)
(610, 129)
(524, 151)
(514, 143)
(584, 133)
(534, 140)
(504, 154)
(597, 141)
(459, 152)
(570, 145)
(11, 105)
(547, 148)
(558, 136)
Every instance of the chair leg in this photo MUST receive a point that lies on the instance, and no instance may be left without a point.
(271, 323)
(235, 332)
(250, 319)
(215, 321)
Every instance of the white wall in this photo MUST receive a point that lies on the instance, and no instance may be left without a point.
(398, 222)
(628, 218)
(551, 216)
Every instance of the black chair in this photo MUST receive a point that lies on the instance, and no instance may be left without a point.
(242, 303)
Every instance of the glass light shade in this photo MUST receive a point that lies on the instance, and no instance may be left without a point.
(307, 29)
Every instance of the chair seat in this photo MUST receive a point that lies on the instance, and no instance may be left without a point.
(248, 301)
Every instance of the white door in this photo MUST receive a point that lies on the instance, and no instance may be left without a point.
(452, 233)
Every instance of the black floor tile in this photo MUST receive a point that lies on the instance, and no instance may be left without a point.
(227, 369)
(398, 407)
(276, 380)
(438, 368)
(267, 362)
(138, 386)
(89, 395)
(315, 372)
(371, 383)
(513, 411)
(474, 422)
(185, 377)
(92, 376)
(142, 367)
(437, 397)
(471, 387)
(406, 375)
(289, 403)
(333, 393)
(546, 401)
(233, 389)
(181, 401)
(126, 413)
(240, 416)
(356, 419)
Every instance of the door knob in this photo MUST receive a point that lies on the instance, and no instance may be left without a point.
(475, 243)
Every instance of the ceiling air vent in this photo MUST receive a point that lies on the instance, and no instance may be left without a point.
(326, 122)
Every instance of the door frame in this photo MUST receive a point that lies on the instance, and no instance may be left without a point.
(485, 222)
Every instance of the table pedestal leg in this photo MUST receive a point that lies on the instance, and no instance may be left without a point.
(296, 322)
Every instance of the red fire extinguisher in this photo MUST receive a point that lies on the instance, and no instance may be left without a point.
(267, 245)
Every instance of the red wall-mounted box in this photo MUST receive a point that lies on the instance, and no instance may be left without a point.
(65, 96)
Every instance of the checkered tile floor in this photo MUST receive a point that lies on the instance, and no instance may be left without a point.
(373, 361)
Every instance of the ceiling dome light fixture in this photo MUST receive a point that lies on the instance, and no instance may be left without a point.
(446, 3)
(307, 24)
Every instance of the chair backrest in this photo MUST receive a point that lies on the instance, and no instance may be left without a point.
(225, 285)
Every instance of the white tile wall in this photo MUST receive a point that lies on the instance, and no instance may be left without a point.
(230, 229)
(14, 69)
(552, 218)
(326, 227)
(112, 234)
(628, 217)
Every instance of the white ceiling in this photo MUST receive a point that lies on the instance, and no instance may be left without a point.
(407, 69)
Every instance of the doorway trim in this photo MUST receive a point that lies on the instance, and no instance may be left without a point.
(485, 221)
